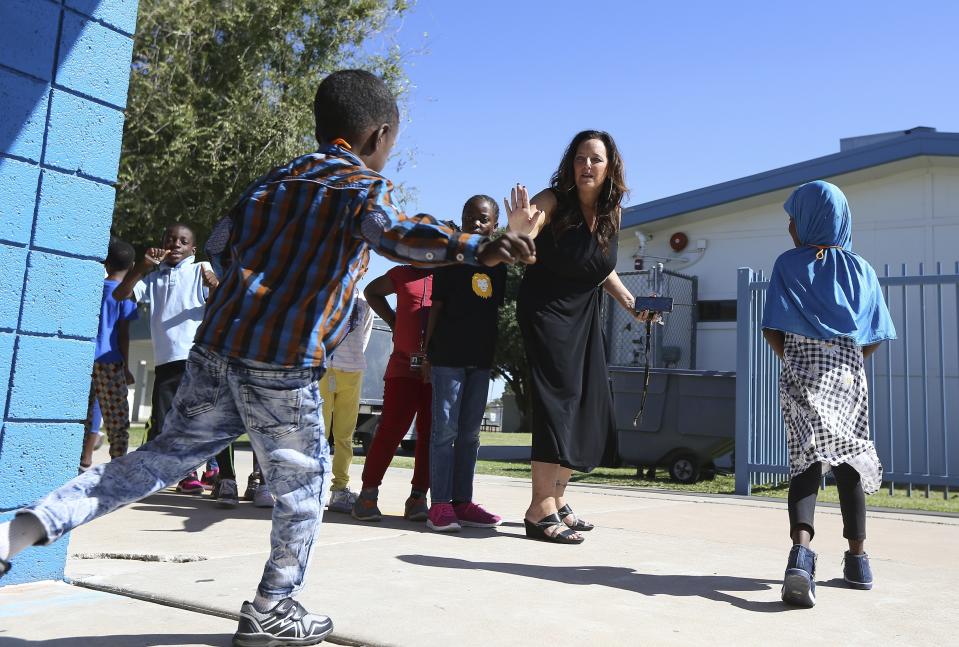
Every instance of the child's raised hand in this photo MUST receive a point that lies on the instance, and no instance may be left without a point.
(521, 215)
(209, 277)
(509, 248)
(155, 255)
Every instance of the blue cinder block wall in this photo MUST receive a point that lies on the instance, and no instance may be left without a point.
(64, 72)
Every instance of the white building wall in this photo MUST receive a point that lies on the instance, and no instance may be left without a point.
(906, 212)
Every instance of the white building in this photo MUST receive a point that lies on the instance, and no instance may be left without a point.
(903, 190)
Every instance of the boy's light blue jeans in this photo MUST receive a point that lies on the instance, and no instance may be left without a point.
(459, 401)
(220, 398)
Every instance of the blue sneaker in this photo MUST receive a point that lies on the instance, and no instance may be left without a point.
(799, 584)
(856, 571)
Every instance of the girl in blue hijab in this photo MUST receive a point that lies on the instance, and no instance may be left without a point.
(825, 313)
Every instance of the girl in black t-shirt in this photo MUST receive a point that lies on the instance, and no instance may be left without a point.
(461, 336)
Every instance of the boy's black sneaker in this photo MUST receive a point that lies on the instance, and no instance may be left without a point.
(286, 624)
(251, 482)
(799, 584)
(856, 571)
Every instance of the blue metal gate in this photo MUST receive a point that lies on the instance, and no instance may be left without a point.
(913, 385)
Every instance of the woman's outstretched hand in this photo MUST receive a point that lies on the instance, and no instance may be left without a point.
(521, 215)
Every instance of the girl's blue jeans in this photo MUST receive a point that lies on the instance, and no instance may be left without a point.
(459, 402)
(219, 399)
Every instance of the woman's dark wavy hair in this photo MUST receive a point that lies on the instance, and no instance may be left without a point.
(568, 213)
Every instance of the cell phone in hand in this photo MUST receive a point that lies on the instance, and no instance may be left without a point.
(653, 304)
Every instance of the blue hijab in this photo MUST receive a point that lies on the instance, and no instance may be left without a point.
(822, 290)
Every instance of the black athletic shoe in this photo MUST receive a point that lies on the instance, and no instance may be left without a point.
(288, 623)
(5, 567)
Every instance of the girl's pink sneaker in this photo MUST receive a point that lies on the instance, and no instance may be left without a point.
(474, 515)
(442, 518)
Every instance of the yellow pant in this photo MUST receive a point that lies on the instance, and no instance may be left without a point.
(340, 391)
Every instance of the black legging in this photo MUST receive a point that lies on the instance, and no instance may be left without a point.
(166, 381)
(224, 461)
(804, 489)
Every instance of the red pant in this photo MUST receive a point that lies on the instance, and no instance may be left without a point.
(403, 397)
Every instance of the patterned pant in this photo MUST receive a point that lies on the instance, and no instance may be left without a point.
(220, 398)
(109, 388)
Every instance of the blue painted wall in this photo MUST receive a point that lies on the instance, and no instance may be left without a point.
(64, 71)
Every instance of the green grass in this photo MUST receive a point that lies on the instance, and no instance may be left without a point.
(722, 484)
(626, 477)
(499, 439)
(138, 435)
(623, 476)
(881, 499)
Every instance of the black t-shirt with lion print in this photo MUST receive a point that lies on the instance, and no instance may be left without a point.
(465, 333)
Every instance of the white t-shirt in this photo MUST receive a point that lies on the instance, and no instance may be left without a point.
(348, 356)
(177, 298)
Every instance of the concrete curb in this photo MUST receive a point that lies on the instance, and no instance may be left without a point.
(332, 639)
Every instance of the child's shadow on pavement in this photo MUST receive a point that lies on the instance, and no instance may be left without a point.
(710, 587)
(199, 512)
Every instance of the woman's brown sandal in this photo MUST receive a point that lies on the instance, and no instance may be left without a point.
(537, 530)
(579, 525)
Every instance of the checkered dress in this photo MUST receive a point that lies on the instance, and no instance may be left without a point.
(822, 390)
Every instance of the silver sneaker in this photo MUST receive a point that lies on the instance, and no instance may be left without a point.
(342, 501)
(288, 623)
(262, 497)
(226, 494)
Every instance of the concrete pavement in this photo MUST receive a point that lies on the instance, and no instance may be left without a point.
(55, 614)
(660, 568)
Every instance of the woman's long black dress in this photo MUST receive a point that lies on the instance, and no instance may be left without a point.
(558, 308)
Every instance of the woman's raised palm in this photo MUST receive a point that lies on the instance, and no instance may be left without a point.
(522, 216)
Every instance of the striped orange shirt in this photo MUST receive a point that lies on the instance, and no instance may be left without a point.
(299, 240)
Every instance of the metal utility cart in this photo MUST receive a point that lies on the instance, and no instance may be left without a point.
(689, 420)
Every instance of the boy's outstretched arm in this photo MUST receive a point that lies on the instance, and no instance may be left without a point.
(376, 292)
(422, 241)
(776, 340)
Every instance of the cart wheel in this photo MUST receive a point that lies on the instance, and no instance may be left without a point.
(408, 445)
(684, 468)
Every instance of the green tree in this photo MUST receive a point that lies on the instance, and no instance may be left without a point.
(222, 90)
(510, 361)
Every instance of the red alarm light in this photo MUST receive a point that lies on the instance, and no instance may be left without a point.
(678, 241)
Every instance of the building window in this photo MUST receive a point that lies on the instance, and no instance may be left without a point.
(717, 310)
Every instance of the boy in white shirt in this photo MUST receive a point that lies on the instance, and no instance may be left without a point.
(176, 289)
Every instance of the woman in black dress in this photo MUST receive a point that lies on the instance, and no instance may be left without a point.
(575, 223)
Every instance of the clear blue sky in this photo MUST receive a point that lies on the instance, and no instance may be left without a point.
(695, 93)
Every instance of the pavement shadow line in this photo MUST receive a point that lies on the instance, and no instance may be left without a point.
(710, 587)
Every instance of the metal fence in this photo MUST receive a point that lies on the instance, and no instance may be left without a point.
(913, 385)
(672, 345)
